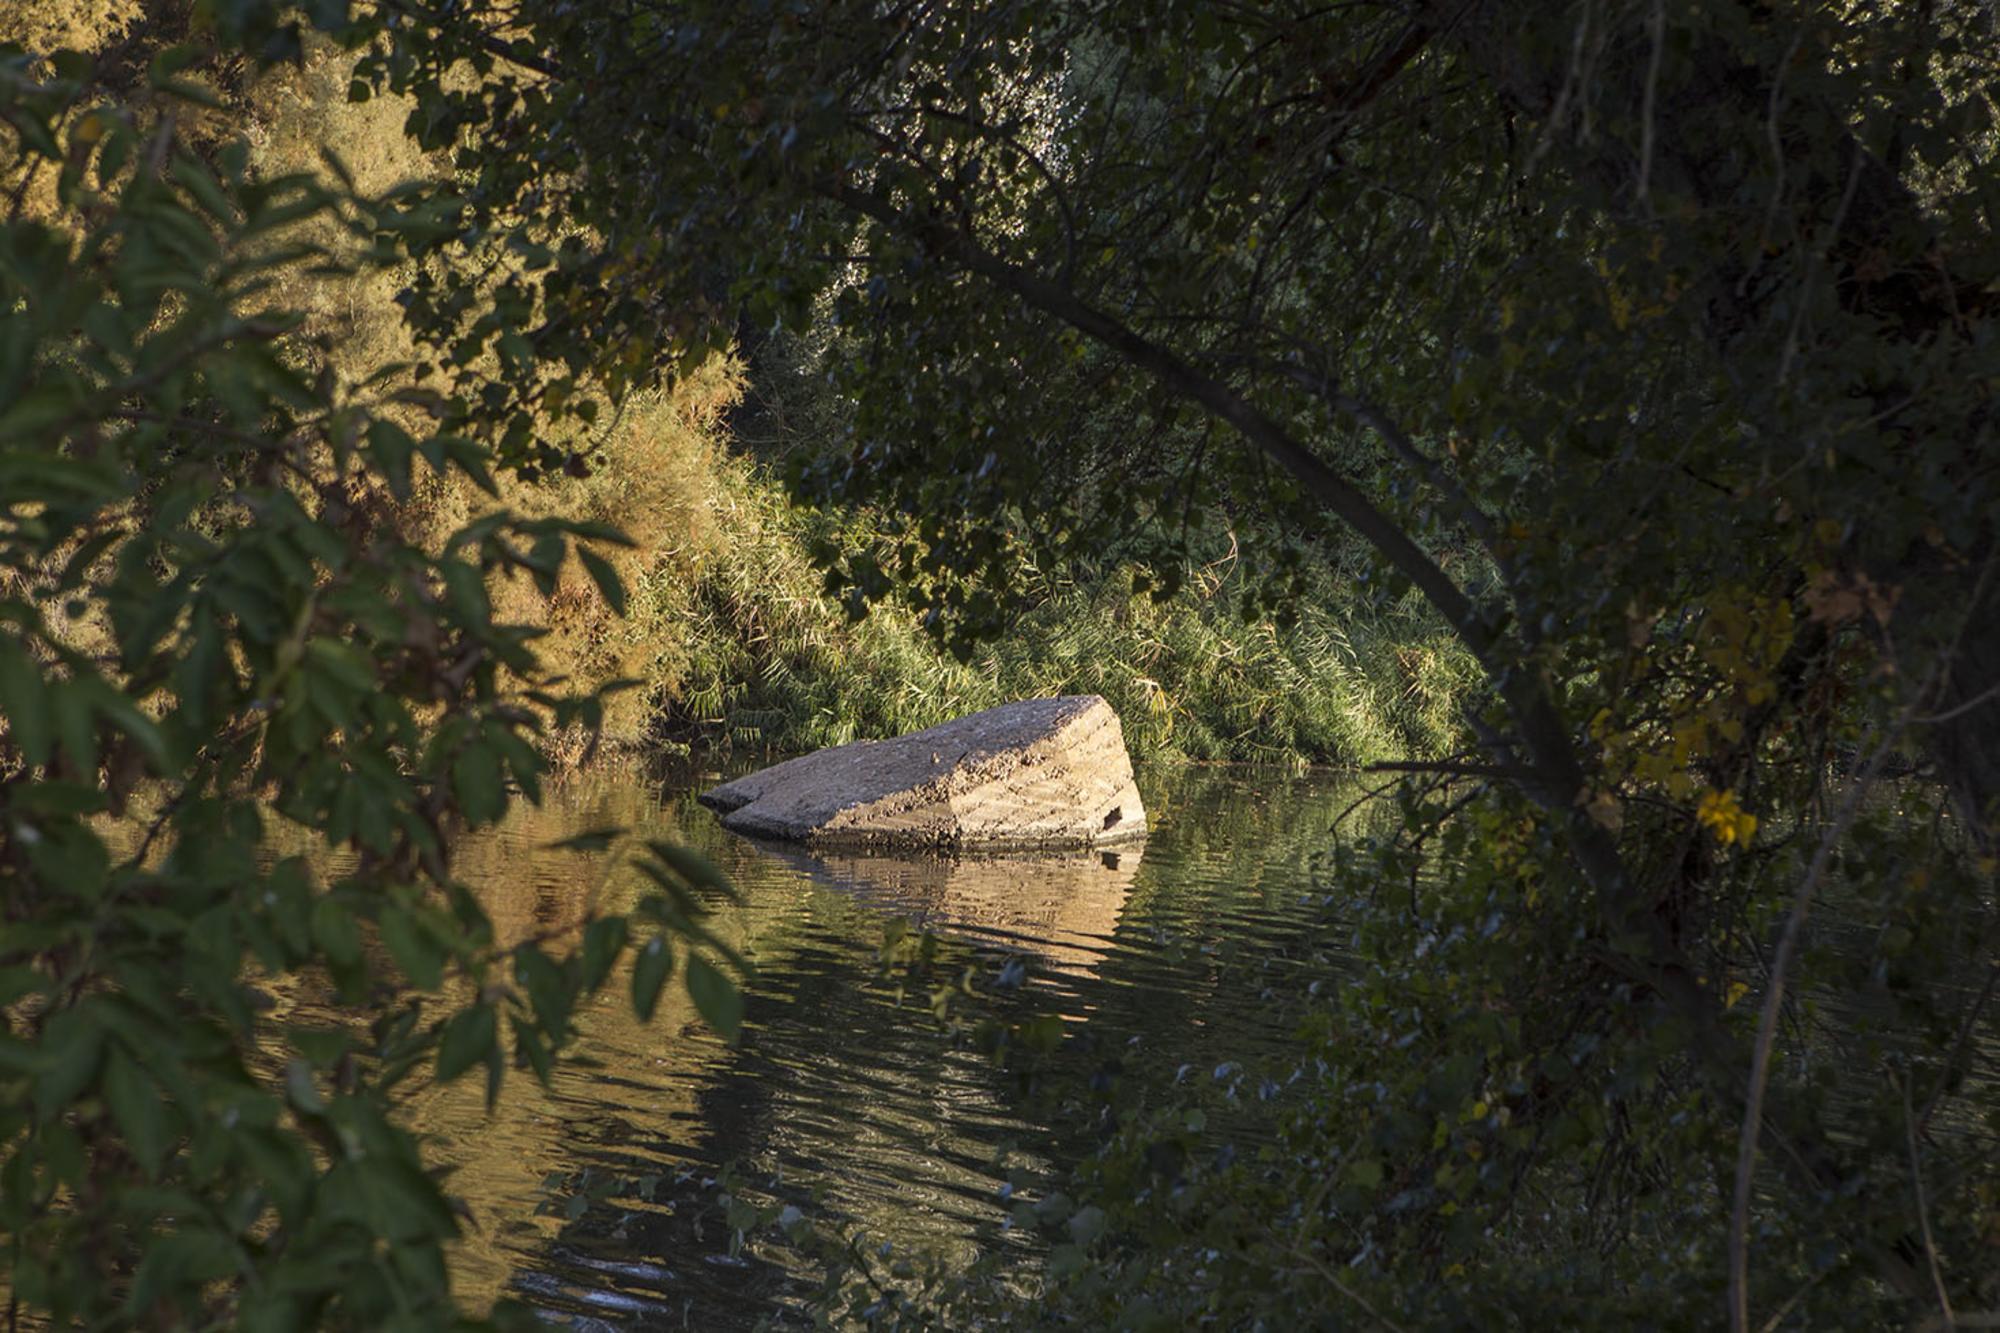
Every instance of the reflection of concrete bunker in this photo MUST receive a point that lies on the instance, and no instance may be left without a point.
(1037, 773)
(1063, 906)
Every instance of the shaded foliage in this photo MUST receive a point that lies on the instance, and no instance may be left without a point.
(1662, 372)
(205, 635)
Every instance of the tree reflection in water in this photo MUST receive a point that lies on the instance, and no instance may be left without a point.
(607, 1196)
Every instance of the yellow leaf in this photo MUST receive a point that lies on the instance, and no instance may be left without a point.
(1719, 813)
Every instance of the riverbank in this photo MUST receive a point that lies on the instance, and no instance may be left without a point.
(736, 645)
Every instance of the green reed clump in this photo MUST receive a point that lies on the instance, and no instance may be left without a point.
(762, 658)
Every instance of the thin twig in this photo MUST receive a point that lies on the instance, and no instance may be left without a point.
(1656, 23)
(1958, 1046)
(1333, 1280)
(1777, 153)
(1980, 699)
(1368, 795)
(1572, 75)
(1978, 1319)
(1767, 1031)
(1806, 284)
(1923, 1207)
(1767, 1018)
(1373, 417)
(1772, 1324)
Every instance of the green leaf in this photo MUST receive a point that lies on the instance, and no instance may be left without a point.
(78, 565)
(544, 562)
(470, 459)
(476, 779)
(336, 932)
(715, 996)
(693, 867)
(466, 1040)
(171, 60)
(115, 152)
(324, 1047)
(189, 90)
(24, 700)
(650, 971)
(413, 947)
(207, 191)
(343, 662)
(547, 989)
(76, 728)
(529, 1044)
(603, 941)
(605, 577)
(20, 980)
(139, 1110)
(186, 1258)
(496, 1074)
(196, 674)
(591, 840)
(72, 1048)
(35, 134)
(597, 532)
(389, 1195)
(118, 709)
(391, 447)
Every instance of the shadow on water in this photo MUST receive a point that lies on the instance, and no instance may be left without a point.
(598, 1199)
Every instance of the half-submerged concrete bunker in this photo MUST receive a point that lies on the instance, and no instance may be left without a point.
(1036, 773)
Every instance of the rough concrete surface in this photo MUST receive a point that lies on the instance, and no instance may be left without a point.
(1037, 773)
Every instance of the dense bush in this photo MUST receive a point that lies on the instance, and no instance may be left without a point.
(205, 636)
(1652, 346)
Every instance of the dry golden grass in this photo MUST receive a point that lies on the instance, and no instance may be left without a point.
(660, 469)
(663, 475)
(46, 26)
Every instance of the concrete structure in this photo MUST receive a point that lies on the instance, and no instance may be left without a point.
(1038, 773)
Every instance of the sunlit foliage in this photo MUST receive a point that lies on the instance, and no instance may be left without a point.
(1653, 346)
(205, 634)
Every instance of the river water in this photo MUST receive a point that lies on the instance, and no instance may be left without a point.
(605, 1199)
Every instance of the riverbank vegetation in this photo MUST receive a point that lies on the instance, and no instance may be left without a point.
(737, 643)
(728, 630)
(1623, 456)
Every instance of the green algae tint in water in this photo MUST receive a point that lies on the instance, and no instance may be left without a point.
(599, 1200)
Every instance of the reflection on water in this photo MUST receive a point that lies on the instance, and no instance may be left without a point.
(595, 1199)
(1062, 906)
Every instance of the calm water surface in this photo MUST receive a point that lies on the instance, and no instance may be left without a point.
(598, 1200)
